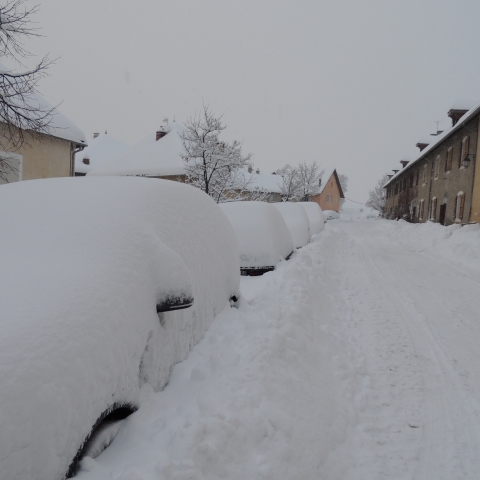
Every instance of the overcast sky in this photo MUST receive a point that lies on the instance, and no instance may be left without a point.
(350, 84)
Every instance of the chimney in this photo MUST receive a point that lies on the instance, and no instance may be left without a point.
(86, 158)
(160, 134)
(389, 176)
(250, 168)
(422, 145)
(455, 114)
(95, 135)
(404, 163)
(394, 172)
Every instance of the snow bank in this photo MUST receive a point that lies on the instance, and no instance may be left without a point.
(297, 222)
(83, 262)
(315, 216)
(262, 235)
(457, 244)
(258, 398)
(149, 157)
(331, 214)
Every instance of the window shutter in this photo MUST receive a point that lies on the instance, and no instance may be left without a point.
(455, 208)
(462, 205)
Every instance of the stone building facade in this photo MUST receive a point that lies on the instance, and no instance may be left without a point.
(440, 185)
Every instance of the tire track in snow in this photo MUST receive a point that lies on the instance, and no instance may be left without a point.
(451, 439)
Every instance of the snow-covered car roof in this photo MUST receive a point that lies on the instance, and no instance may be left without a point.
(262, 235)
(149, 157)
(315, 216)
(84, 262)
(297, 222)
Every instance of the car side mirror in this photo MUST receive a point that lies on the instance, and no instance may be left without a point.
(174, 290)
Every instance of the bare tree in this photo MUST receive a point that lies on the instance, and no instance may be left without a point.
(290, 186)
(20, 110)
(309, 177)
(377, 196)
(343, 179)
(214, 166)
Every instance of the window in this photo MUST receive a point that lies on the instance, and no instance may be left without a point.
(465, 149)
(328, 198)
(437, 167)
(459, 206)
(420, 210)
(424, 181)
(449, 159)
(13, 166)
(433, 209)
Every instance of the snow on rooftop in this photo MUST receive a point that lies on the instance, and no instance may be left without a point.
(60, 125)
(149, 157)
(327, 173)
(100, 149)
(438, 139)
(267, 182)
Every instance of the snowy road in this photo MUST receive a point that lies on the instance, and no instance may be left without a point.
(357, 359)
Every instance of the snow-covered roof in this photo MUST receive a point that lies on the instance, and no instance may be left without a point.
(149, 157)
(327, 173)
(437, 140)
(60, 126)
(100, 149)
(267, 182)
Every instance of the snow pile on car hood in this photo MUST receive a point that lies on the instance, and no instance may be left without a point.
(297, 222)
(315, 216)
(84, 263)
(262, 235)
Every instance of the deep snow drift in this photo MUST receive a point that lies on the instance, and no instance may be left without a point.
(85, 261)
(356, 359)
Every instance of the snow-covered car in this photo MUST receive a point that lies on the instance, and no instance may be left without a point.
(331, 215)
(315, 216)
(297, 222)
(93, 270)
(262, 235)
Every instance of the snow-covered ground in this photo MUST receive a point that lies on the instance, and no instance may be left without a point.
(356, 359)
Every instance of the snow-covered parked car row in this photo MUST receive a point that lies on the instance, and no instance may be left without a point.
(268, 233)
(96, 269)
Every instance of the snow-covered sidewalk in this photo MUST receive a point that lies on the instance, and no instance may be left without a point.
(356, 359)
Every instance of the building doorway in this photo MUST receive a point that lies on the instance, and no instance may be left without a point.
(443, 209)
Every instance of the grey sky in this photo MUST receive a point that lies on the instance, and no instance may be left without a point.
(351, 84)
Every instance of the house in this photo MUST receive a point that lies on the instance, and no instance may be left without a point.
(156, 156)
(100, 149)
(42, 155)
(268, 183)
(442, 183)
(330, 192)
